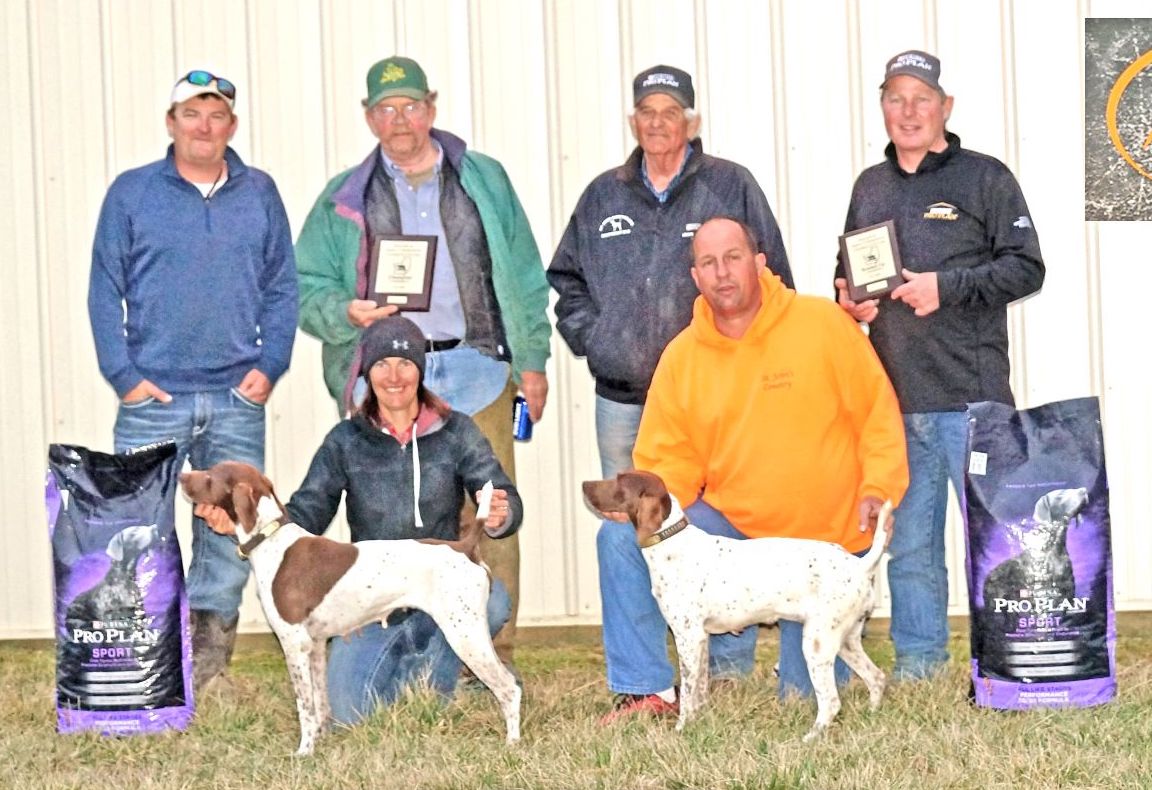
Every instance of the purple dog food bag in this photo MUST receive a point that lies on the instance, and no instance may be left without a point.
(123, 654)
(1039, 556)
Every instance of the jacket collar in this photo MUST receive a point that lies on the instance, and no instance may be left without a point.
(629, 172)
(236, 166)
(428, 421)
(932, 161)
(350, 194)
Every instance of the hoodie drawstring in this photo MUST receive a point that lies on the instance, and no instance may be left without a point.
(416, 479)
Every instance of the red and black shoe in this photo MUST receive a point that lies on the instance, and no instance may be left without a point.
(628, 705)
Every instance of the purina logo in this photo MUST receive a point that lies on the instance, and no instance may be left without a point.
(400, 344)
(1073, 605)
(660, 79)
(911, 59)
(944, 211)
(615, 226)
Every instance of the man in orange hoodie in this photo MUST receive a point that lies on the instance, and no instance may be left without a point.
(772, 415)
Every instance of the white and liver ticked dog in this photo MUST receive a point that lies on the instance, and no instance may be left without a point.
(313, 588)
(707, 584)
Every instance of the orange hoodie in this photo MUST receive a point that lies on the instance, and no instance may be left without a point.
(783, 430)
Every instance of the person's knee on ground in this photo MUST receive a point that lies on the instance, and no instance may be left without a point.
(375, 667)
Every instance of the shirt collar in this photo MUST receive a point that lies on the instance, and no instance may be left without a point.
(395, 171)
(663, 196)
(425, 418)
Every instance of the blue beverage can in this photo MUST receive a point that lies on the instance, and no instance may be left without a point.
(521, 422)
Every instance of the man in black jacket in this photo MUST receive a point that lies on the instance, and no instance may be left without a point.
(968, 249)
(622, 267)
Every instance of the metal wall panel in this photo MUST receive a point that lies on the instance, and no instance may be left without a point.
(787, 89)
(24, 555)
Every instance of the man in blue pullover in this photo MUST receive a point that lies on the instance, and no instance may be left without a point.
(192, 301)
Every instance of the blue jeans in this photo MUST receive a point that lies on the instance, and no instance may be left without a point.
(616, 428)
(917, 573)
(467, 379)
(373, 666)
(208, 427)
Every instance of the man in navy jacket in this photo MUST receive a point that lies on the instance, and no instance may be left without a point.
(622, 267)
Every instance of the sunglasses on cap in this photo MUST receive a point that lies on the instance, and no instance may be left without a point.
(205, 78)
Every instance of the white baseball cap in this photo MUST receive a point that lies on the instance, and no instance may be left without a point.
(198, 82)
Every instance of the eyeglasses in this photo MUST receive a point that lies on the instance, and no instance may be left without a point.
(205, 79)
(411, 111)
(668, 115)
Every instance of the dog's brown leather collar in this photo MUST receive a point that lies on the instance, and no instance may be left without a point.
(264, 532)
(665, 533)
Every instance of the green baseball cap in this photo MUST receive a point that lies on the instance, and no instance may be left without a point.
(396, 76)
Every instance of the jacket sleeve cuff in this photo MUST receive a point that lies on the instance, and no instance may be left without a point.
(867, 489)
(946, 288)
(125, 382)
(529, 360)
(504, 530)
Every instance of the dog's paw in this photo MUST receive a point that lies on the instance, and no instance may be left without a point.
(814, 734)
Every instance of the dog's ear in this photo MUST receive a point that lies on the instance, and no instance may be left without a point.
(650, 513)
(244, 503)
(270, 491)
(650, 493)
(1043, 509)
(115, 548)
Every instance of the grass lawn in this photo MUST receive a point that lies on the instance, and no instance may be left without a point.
(925, 735)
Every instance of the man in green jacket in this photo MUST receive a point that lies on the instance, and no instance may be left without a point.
(486, 325)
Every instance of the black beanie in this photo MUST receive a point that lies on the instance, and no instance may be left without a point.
(392, 336)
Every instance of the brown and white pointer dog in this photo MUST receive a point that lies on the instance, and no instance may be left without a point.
(707, 584)
(313, 588)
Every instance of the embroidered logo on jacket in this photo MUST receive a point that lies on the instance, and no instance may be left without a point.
(777, 379)
(690, 229)
(616, 225)
(941, 211)
(1022, 222)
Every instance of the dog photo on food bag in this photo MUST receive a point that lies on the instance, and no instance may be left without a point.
(122, 662)
(1039, 556)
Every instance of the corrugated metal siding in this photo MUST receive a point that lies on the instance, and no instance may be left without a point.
(786, 88)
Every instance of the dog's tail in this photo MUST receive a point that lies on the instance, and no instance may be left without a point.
(880, 539)
(468, 540)
(468, 543)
